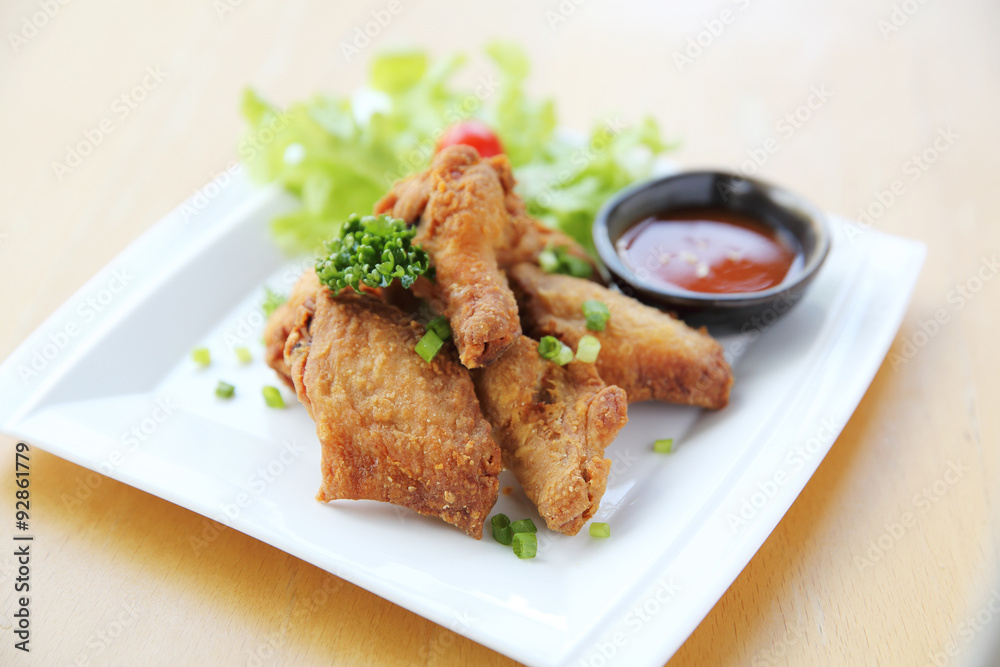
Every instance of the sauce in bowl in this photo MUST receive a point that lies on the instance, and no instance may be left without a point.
(714, 251)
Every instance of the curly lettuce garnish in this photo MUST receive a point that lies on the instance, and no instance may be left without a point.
(342, 154)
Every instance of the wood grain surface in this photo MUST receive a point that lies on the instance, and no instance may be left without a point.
(902, 91)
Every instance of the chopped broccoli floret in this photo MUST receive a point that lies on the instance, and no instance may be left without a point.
(371, 250)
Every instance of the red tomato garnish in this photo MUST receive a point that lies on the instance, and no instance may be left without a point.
(473, 133)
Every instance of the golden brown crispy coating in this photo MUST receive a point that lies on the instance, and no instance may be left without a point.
(393, 427)
(464, 221)
(553, 423)
(523, 237)
(407, 198)
(643, 350)
(285, 318)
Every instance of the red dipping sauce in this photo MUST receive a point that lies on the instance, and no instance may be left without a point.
(709, 250)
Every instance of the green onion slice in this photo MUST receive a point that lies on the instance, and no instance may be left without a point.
(501, 529)
(243, 354)
(523, 526)
(429, 346)
(588, 349)
(598, 529)
(555, 350)
(224, 390)
(597, 314)
(576, 266)
(558, 260)
(548, 347)
(664, 446)
(525, 545)
(202, 356)
(439, 325)
(548, 261)
(273, 397)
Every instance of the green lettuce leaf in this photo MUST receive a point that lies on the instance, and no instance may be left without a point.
(340, 155)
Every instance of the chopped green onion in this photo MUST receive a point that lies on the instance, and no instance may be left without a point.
(597, 314)
(501, 529)
(429, 346)
(271, 301)
(243, 354)
(202, 356)
(588, 349)
(577, 267)
(664, 446)
(525, 545)
(548, 347)
(523, 526)
(600, 530)
(439, 325)
(548, 261)
(565, 355)
(273, 397)
(554, 350)
(224, 390)
(558, 260)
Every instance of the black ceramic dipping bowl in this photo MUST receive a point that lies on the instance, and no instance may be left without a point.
(788, 214)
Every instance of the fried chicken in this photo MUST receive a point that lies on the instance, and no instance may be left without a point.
(301, 303)
(524, 237)
(393, 427)
(463, 222)
(553, 423)
(643, 350)
(472, 224)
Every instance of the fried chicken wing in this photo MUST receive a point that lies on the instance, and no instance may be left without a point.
(553, 423)
(285, 318)
(393, 427)
(462, 223)
(643, 350)
(523, 237)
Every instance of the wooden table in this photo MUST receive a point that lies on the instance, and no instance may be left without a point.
(903, 93)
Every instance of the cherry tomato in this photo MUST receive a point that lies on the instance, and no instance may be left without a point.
(473, 133)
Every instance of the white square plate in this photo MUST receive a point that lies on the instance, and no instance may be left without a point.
(107, 382)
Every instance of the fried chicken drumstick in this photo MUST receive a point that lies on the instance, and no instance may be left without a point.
(472, 224)
(643, 350)
(462, 224)
(393, 427)
(553, 423)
